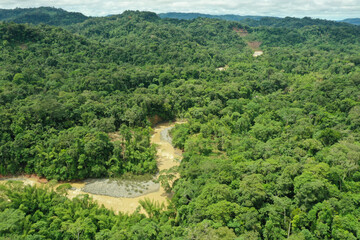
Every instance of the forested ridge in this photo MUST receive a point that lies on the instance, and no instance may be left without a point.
(46, 15)
(355, 21)
(271, 144)
(256, 21)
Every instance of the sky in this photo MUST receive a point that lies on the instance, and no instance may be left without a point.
(324, 9)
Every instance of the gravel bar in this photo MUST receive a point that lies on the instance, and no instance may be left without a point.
(120, 188)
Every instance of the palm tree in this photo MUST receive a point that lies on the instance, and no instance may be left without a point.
(151, 207)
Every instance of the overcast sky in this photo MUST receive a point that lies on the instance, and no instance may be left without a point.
(326, 9)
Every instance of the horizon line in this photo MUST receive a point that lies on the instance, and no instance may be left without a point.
(182, 12)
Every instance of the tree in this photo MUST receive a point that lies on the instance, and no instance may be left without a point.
(11, 221)
(151, 207)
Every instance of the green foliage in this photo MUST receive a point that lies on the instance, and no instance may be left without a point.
(153, 209)
(11, 220)
(254, 21)
(271, 144)
(44, 15)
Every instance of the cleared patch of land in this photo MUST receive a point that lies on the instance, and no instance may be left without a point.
(258, 53)
(254, 45)
(241, 32)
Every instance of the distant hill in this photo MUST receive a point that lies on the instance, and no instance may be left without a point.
(188, 16)
(46, 15)
(60, 17)
(355, 21)
(291, 22)
(257, 21)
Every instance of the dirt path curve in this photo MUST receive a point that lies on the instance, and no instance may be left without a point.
(167, 157)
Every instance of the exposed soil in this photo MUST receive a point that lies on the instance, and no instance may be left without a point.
(114, 136)
(241, 32)
(254, 45)
(154, 120)
(258, 53)
(223, 68)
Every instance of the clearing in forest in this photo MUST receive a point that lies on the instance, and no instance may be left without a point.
(167, 157)
(254, 45)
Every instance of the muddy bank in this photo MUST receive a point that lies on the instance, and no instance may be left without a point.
(26, 180)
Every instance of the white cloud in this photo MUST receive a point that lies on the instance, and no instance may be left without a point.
(329, 9)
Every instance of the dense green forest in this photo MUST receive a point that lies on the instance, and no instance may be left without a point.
(46, 15)
(256, 21)
(271, 144)
(190, 16)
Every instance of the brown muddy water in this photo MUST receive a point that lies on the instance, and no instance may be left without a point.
(124, 195)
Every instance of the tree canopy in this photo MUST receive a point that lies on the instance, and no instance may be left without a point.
(271, 147)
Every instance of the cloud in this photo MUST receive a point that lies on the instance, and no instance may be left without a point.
(329, 9)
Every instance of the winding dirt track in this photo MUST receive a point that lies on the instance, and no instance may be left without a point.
(167, 157)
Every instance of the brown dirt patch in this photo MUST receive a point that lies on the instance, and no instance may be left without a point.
(223, 68)
(38, 179)
(241, 32)
(155, 120)
(254, 45)
(114, 136)
(34, 177)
